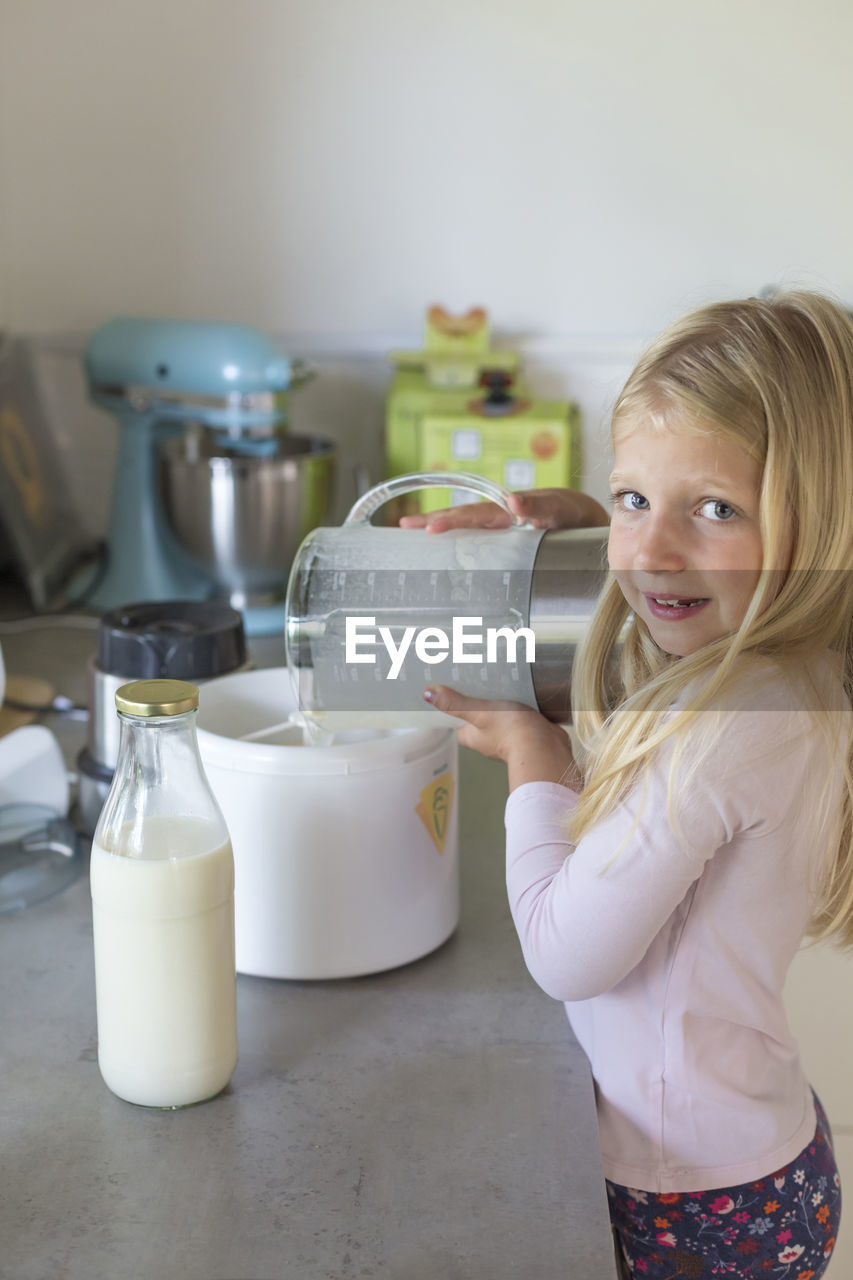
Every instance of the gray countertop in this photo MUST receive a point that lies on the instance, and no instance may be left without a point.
(431, 1123)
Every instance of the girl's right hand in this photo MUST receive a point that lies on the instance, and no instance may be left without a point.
(532, 748)
(543, 508)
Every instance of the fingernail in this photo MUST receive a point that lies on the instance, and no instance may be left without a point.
(429, 695)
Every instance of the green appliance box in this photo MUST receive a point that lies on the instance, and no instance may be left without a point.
(527, 444)
(440, 379)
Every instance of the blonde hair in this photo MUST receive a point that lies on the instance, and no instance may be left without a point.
(775, 377)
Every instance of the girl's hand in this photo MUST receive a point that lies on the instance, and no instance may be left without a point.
(544, 508)
(533, 748)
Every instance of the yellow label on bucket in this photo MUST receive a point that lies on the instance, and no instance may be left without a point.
(435, 807)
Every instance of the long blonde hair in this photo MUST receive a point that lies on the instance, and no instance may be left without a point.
(776, 378)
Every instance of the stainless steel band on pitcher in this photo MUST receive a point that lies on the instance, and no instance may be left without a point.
(567, 577)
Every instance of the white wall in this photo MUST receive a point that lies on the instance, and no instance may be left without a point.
(323, 169)
(329, 166)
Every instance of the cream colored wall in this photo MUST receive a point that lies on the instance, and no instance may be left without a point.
(329, 166)
(323, 169)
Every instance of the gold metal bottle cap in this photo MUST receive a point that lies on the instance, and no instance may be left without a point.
(157, 698)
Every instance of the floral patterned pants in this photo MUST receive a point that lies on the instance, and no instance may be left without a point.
(782, 1226)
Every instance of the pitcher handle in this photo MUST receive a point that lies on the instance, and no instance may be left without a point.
(376, 497)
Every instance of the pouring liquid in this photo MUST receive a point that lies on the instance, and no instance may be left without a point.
(321, 727)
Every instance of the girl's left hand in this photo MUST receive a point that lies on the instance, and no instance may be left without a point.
(533, 748)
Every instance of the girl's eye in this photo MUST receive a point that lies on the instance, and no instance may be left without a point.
(715, 509)
(630, 500)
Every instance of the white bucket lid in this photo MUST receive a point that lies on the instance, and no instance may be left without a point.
(248, 701)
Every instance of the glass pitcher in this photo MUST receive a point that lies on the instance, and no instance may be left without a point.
(375, 614)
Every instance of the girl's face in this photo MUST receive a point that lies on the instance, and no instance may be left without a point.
(684, 545)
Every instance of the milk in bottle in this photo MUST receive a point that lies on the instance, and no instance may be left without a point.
(162, 880)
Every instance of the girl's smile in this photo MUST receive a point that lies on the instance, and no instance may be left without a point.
(685, 543)
(672, 609)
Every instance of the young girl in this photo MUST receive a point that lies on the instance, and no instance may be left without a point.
(662, 887)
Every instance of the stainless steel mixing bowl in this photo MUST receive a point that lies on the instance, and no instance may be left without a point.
(240, 516)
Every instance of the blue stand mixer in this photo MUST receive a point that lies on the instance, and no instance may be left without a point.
(212, 494)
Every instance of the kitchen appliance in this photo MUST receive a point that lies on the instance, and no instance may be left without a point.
(375, 614)
(216, 394)
(175, 640)
(32, 769)
(239, 517)
(40, 854)
(40, 531)
(345, 855)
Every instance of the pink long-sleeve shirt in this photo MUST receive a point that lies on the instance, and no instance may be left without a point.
(672, 957)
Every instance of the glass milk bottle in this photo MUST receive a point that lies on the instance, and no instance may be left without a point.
(162, 879)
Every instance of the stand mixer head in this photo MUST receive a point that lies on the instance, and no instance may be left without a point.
(163, 379)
